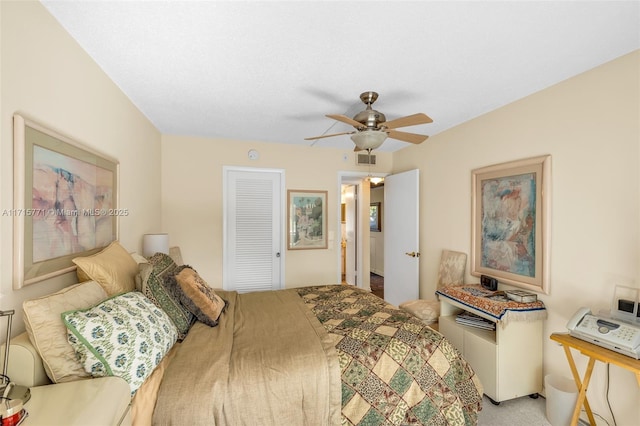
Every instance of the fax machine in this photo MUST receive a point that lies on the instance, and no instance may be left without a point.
(610, 333)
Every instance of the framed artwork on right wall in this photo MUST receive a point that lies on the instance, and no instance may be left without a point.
(511, 214)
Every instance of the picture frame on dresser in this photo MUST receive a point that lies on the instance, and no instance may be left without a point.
(65, 202)
(307, 219)
(511, 222)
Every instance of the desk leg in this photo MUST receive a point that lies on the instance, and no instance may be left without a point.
(582, 395)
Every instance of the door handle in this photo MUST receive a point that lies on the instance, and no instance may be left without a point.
(413, 254)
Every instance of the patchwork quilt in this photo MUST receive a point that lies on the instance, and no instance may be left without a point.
(320, 356)
(395, 369)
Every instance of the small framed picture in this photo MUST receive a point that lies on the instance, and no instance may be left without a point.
(307, 219)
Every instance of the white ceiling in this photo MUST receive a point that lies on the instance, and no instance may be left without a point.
(270, 70)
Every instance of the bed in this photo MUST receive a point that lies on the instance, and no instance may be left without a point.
(318, 355)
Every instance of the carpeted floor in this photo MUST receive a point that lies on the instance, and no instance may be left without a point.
(522, 411)
(377, 285)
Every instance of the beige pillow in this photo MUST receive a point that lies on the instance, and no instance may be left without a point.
(200, 299)
(427, 311)
(48, 333)
(113, 268)
(176, 255)
(139, 258)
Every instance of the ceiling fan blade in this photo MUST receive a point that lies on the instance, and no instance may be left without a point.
(345, 119)
(409, 120)
(407, 137)
(327, 136)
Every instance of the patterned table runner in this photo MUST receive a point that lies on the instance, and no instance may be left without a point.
(494, 304)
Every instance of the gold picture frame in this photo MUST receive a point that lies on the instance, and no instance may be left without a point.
(307, 219)
(511, 222)
(65, 202)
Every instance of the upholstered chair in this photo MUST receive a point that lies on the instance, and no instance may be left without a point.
(450, 272)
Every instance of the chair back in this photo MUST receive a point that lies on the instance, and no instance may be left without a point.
(452, 267)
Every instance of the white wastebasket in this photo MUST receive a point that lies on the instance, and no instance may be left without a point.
(562, 394)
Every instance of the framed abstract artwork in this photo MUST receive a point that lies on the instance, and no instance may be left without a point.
(65, 202)
(511, 214)
(307, 219)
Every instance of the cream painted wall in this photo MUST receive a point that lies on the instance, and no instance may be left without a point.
(192, 207)
(46, 76)
(590, 124)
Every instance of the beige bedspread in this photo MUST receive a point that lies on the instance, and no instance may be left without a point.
(223, 376)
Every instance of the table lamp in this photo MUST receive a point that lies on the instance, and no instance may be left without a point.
(155, 243)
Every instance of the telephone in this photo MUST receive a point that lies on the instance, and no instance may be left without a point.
(609, 333)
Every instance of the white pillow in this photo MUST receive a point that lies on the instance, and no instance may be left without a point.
(125, 336)
(48, 333)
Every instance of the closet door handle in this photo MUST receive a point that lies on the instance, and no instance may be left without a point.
(413, 254)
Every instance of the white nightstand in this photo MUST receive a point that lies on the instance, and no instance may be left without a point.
(91, 402)
(507, 360)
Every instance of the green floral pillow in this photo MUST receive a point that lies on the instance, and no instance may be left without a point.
(125, 336)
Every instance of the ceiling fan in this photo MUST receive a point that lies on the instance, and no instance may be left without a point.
(372, 127)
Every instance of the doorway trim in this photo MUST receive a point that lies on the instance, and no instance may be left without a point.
(355, 178)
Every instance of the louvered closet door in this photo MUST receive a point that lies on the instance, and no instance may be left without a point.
(253, 230)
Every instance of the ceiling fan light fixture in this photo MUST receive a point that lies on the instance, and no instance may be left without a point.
(369, 139)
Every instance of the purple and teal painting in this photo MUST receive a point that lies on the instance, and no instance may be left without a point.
(508, 224)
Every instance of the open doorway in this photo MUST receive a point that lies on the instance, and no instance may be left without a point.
(399, 218)
(376, 236)
(349, 238)
(355, 249)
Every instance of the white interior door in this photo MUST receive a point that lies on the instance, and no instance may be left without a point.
(351, 241)
(253, 236)
(401, 249)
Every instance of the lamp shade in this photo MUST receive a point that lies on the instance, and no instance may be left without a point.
(369, 139)
(155, 243)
